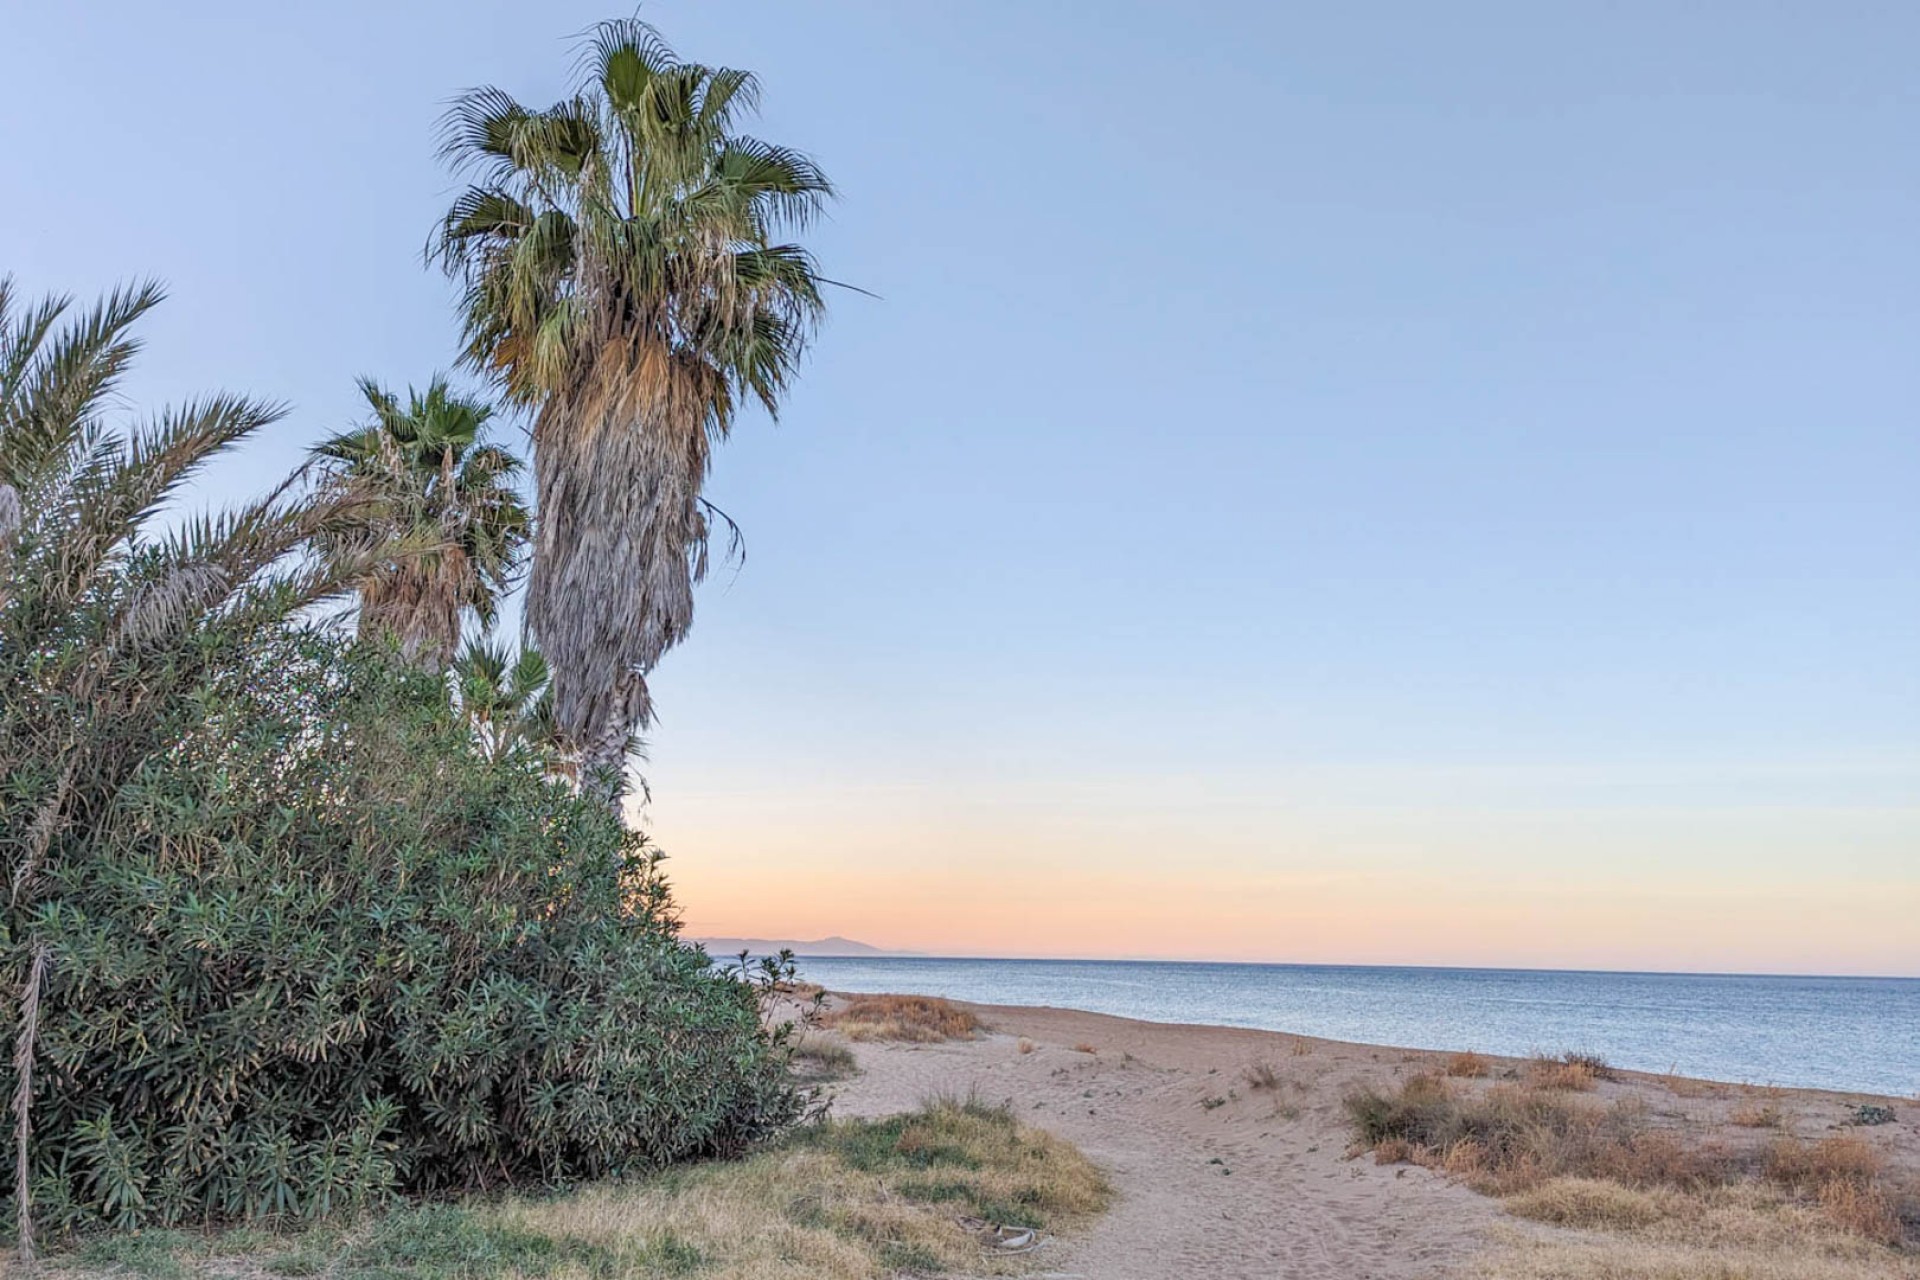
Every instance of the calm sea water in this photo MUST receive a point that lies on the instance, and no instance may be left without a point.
(1860, 1034)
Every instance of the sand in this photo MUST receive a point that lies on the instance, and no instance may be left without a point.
(1217, 1177)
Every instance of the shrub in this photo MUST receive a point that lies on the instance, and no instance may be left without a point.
(1509, 1138)
(1575, 1163)
(318, 950)
(818, 1058)
(1261, 1076)
(1467, 1066)
(916, 1019)
(1575, 1072)
(1757, 1115)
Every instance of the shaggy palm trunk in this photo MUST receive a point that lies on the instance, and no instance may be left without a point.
(619, 543)
(425, 627)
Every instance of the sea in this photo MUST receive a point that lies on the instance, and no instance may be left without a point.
(1849, 1034)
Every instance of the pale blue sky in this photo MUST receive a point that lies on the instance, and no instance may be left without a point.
(1466, 445)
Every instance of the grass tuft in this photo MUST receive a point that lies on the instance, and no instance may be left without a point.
(817, 1058)
(914, 1019)
(1263, 1077)
(1467, 1066)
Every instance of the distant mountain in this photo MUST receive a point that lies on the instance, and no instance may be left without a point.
(720, 948)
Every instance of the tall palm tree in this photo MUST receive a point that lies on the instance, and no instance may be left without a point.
(627, 283)
(436, 481)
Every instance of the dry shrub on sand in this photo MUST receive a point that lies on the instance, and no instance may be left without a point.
(815, 1057)
(1262, 1077)
(1467, 1066)
(1756, 1115)
(1084, 1047)
(1577, 1163)
(1575, 1072)
(916, 1019)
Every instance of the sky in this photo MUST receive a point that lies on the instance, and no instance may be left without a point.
(1380, 482)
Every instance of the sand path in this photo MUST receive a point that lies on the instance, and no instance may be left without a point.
(1217, 1177)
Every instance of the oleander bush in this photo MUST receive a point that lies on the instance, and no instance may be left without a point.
(320, 951)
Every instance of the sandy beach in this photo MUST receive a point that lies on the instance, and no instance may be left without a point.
(1231, 1153)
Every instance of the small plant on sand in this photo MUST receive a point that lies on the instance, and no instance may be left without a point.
(1756, 1115)
(1025, 1045)
(1578, 1072)
(1261, 1076)
(816, 1058)
(1467, 1066)
(1084, 1047)
(914, 1019)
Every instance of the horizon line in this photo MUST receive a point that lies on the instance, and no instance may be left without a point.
(884, 954)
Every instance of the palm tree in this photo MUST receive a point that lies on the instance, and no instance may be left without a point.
(109, 633)
(504, 698)
(626, 282)
(437, 483)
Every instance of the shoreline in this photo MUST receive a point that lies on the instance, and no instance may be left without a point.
(988, 1011)
(1840, 1034)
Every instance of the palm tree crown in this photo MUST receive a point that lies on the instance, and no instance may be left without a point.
(627, 283)
(432, 479)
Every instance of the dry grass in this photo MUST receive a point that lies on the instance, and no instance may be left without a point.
(1574, 1072)
(1824, 1205)
(1756, 1115)
(1686, 1087)
(1084, 1047)
(1262, 1077)
(915, 1019)
(1467, 1066)
(817, 1058)
(852, 1200)
(1025, 1045)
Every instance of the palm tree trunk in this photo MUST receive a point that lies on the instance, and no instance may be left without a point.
(603, 758)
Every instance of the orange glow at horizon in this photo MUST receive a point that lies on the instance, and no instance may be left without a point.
(1780, 892)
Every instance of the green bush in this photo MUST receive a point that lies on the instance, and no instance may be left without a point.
(276, 936)
(320, 949)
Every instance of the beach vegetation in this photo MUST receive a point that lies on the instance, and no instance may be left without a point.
(931, 1191)
(1575, 1162)
(1263, 1076)
(817, 1057)
(915, 1019)
(1467, 1066)
(281, 941)
(1757, 1115)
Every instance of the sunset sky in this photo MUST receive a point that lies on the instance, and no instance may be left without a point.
(1376, 482)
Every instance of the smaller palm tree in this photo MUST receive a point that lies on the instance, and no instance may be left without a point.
(447, 500)
(504, 698)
